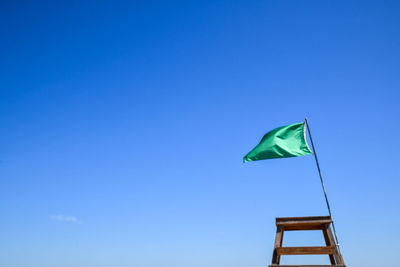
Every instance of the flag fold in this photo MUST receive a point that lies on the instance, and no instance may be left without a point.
(283, 142)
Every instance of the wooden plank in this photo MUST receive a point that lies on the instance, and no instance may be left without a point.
(303, 223)
(306, 250)
(304, 227)
(307, 218)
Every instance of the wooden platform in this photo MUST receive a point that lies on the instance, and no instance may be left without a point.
(322, 223)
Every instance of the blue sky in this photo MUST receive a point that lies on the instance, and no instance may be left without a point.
(124, 124)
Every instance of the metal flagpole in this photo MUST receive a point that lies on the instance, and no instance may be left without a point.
(323, 186)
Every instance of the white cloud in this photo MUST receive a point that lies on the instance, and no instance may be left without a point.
(65, 218)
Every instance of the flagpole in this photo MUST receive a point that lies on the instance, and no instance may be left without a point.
(323, 185)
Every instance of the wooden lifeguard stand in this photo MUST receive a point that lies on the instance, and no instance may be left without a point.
(306, 223)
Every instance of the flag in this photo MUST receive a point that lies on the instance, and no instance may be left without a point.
(283, 142)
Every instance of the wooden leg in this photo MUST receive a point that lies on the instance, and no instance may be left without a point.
(328, 244)
(337, 256)
(278, 243)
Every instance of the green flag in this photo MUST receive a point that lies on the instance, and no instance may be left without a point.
(283, 142)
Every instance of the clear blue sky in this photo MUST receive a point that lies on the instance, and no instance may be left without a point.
(124, 124)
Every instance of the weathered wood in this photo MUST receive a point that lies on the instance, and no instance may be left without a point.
(307, 218)
(305, 250)
(295, 223)
(338, 257)
(306, 223)
(328, 242)
(304, 227)
(278, 243)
